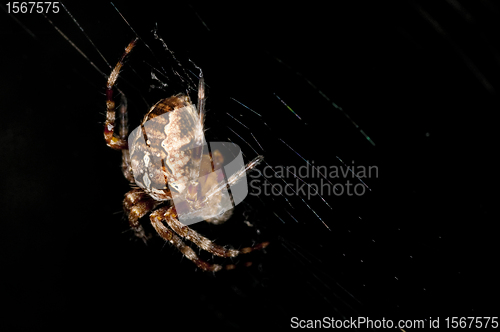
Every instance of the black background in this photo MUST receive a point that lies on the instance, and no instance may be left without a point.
(421, 79)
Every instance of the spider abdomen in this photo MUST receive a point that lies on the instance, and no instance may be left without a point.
(165, 150)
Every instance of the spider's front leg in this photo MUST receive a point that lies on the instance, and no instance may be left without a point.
(157, 218)
(113, 141)
(201, 98)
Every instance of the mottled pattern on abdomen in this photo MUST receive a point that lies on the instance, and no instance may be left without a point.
(157, 157)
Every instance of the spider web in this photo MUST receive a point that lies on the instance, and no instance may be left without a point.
(354, 87)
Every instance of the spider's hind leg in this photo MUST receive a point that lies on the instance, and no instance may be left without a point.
(156, 220)
(203, 242)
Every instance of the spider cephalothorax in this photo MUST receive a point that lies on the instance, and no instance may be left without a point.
(167, 159)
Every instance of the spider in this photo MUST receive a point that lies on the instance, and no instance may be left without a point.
(197, 195)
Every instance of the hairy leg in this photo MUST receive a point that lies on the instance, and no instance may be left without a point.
(123, 119)
(113, 141)
(156, 220)
(204, 243)
(232, 179)
(201, 98)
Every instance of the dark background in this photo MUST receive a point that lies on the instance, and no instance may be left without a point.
(421, 79)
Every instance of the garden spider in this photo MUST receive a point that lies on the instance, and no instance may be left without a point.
(197, 195)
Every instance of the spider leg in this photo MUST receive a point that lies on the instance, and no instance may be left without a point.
(231, 180)
(136, 205)
(123, 116)
(201, 98)
(114, 142)
(156, 220)
(203, 242)
(126, 167)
